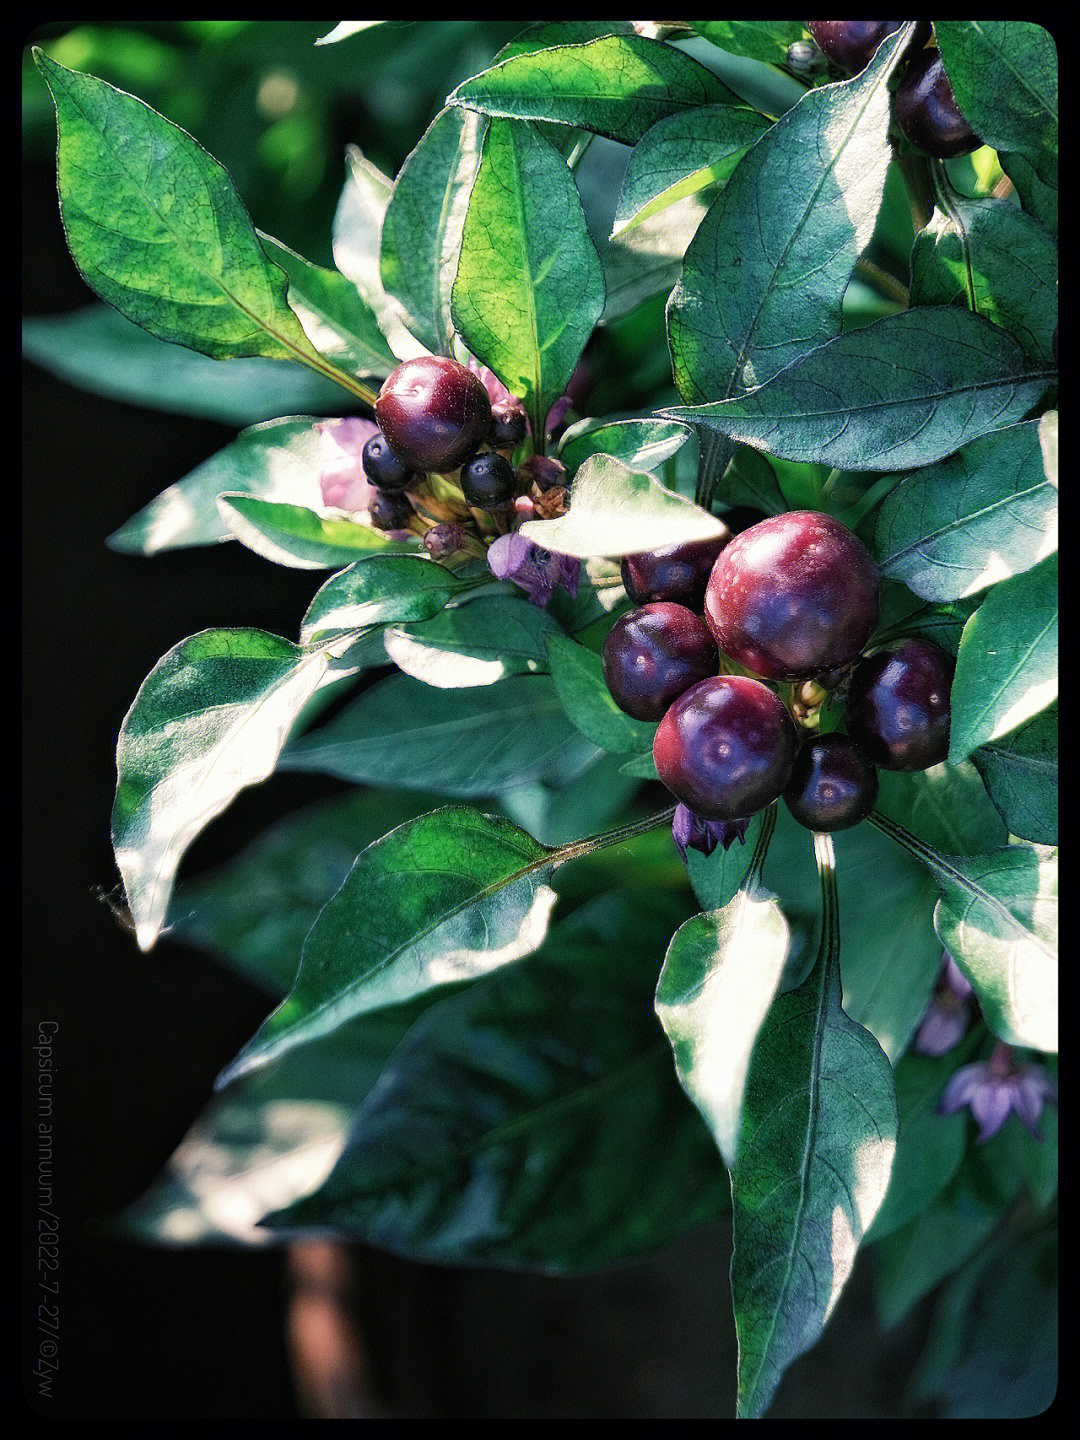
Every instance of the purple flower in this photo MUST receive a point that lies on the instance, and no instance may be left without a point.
(498, 394)
(692, 833)
(993, 1087)
(538, 572)
(342, 480)
(949, 1012)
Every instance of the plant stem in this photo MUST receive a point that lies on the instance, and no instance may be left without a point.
(715, 452)
(917, 176)
(885, 284)
(761, 849)
(592, 843)
(825, 859)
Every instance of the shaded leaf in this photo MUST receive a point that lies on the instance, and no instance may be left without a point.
(99, 350)
(977, 517)
(519, 1121)
(459, 742)
(641, 444)
(1021, 776)
(422, 226)
(907, 390)
(772, 236)
(682, 154)
(579, 681)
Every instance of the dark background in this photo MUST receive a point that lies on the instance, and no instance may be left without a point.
(152, 1333)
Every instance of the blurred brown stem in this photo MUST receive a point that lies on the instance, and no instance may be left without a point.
(329, 1361)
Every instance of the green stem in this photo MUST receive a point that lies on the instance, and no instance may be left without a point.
(884, 283)
(920, 186)
(604, 841)
(715, 452)
(761, 849)
(825, 859)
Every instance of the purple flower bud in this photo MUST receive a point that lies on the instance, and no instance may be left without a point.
(342, 481)
(442, 540)
(692, 833)
(992, 1088)
(556, 416)
(538, 572)
(949, 1012)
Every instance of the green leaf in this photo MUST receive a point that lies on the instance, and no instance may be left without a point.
(1038, 198)
(750, 480)
(422, 227)
(478, 643)
(1007, 664)
(766, 40)
(529, 285)
(618, 86)
(917, 1257)
(1004, 74)
(458, 742)
(442, 899)
(929, 1146)
(208, 720)
(682, 154)
(555, 814)
(97, 349)
(977, 517)
(157, 229)
(358, 223)
(546, 34)
(618, 511)
(905, 391)
(996, 260)
(518, 1122)
(279, 461)
(255, 911)
(979, 1363)
(379, 590)
(775, 235)
(1020, 772)
(296, 536)
(1048, 440)
(579, 681)
(815, 1149)
(997, 917)
(336, 318)
(641, 444)
(891, 954)
(946, 806)
(719, 978)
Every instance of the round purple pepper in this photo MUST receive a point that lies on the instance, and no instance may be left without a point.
(792, 596)
(726, 747)
(653, 654)
(833, 784)
(434, 412)
(898, 705)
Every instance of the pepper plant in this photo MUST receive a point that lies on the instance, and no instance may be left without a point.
(684, 422)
